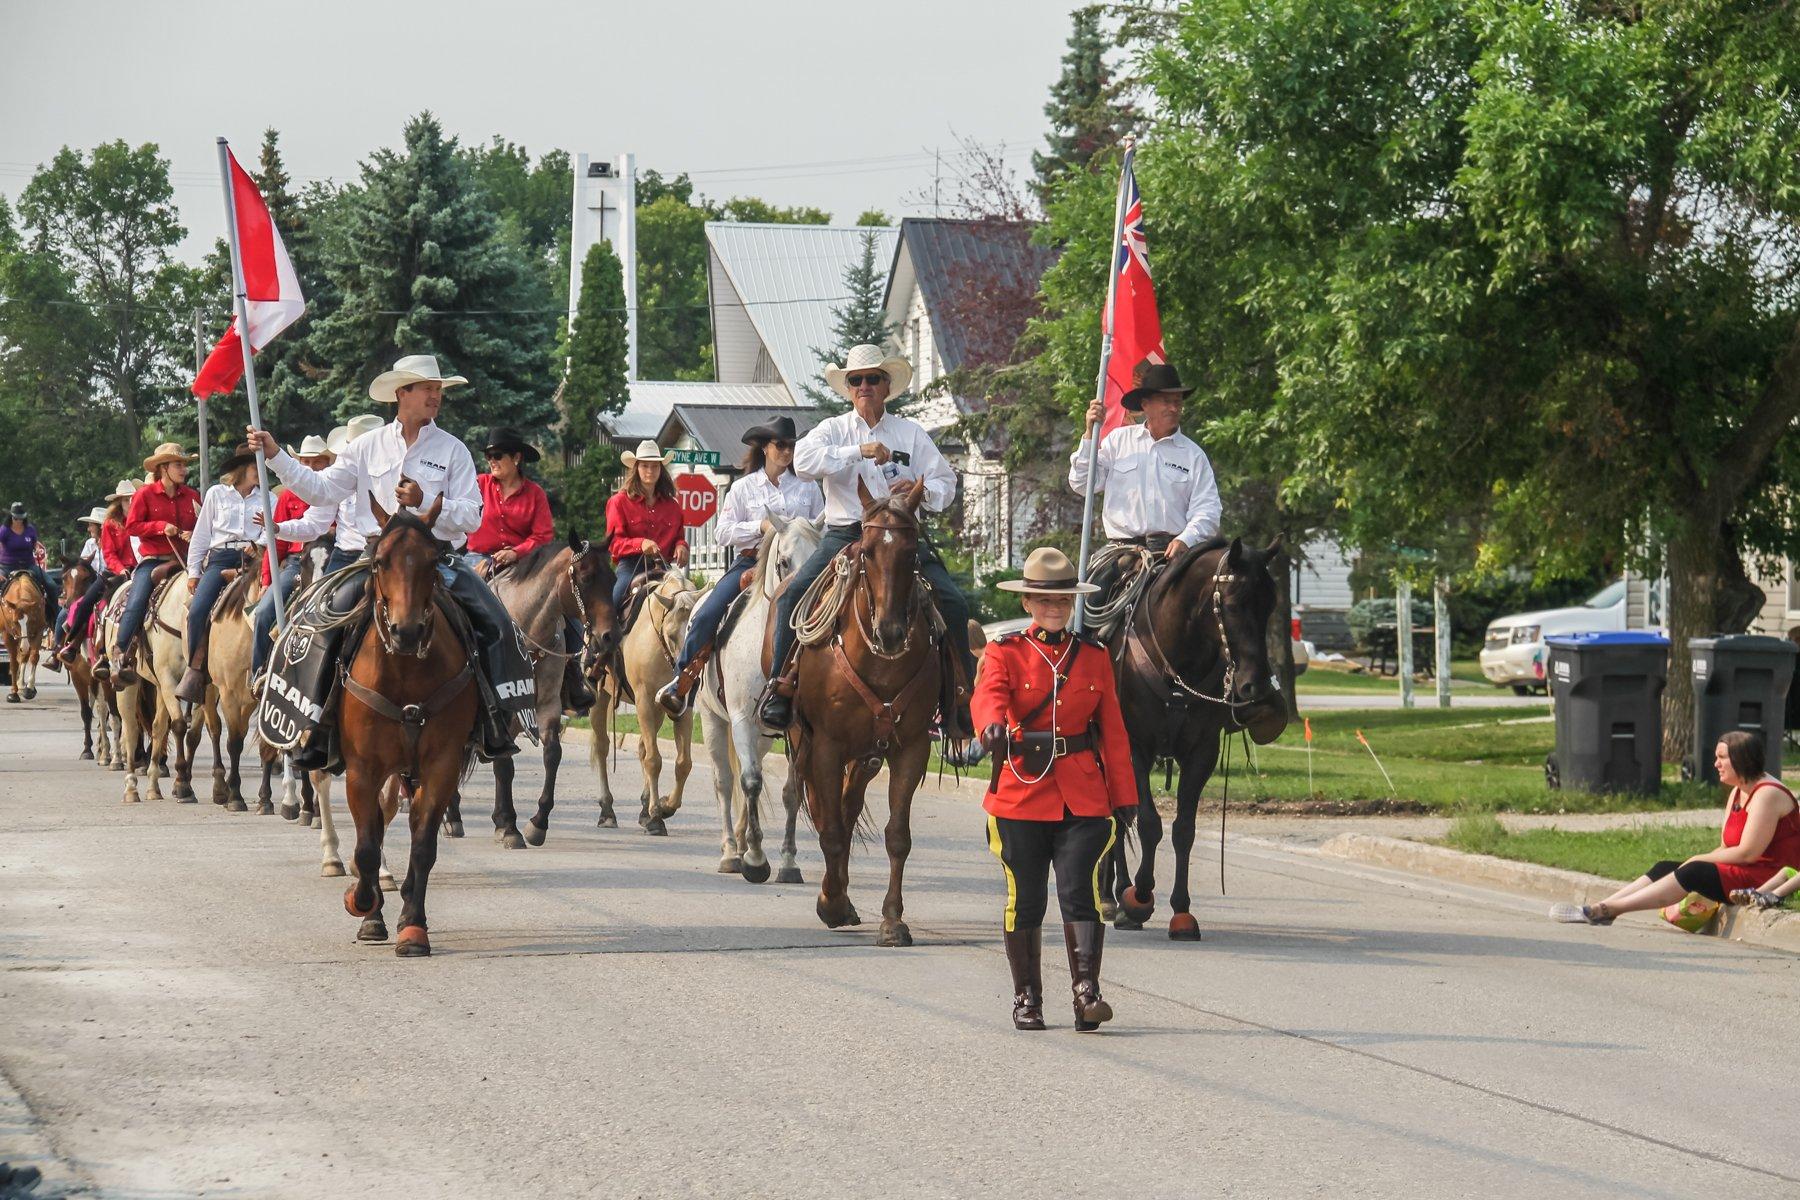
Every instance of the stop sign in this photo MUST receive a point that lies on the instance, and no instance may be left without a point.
(697, 497)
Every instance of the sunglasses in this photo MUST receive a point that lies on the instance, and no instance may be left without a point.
(872, 377)
(492, 455)
(778, 445)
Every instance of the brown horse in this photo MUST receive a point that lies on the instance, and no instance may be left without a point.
(866, 696)
(77, 577)
(408, 710)
(23, 630)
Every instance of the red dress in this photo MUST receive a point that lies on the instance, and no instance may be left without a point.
(1783, 849)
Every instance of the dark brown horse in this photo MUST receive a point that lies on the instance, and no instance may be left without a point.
(408, 710)
(866, 696)
(1193, 666)
(77, 577)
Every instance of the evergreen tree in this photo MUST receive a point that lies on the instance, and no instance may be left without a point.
(421, 265)
(861, 318)
(1087, 116)
(596, 384)
(873, 216)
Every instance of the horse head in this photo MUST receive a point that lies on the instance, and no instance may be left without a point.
(403, 576)
(591, 573)
(787, 543)
(76, 578)
(1242, 599)
(890, 545)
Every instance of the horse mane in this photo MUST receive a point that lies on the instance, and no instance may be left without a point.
(237, 592)
(406, 519)
(765, 549)
(890, 503)
(527, 565)
(1186, 562)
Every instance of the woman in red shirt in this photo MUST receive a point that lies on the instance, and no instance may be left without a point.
(1049, 714)
(116, 559)
(161, 517)
(643, 519)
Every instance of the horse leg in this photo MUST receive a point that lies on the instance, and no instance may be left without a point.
(599, 741)
(451, 821)
(790, 800)
(718, 748)
(903, 779)
(1135, 906)
(181, 728)
(1194, 774)
(310, 803)
(550, 732)
(234, 780)
(363, 898)
(222, 791)
(746, 747)
(684, 761)
(650, 759)
(830, 801)
(506, 819)
(87, 723)
(158, 749)
(129, 735)
(331, 866)
(424, 816)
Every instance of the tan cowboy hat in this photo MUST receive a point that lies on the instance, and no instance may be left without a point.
(1048, 572)
(168, 452)
(96, 516)
(312, 446)
(343, 435)
(867, 357)
(647, 451)
(123, 490)
(414, 368)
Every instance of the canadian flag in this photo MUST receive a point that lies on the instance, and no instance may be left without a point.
(271, 289)
(1133, 321)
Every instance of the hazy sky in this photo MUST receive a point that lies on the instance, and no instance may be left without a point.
(800, 102)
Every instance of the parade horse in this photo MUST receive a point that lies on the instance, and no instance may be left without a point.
(143, 732)
(869, 671)
(731, 688)
(408, 711)
(77, 577)
(646, 660)
(229, 639)
(23, 630)
(541, 591)
(163, 645)
(1193, 667)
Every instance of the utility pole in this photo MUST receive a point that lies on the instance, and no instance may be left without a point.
(1403, 635)
(1440, 602)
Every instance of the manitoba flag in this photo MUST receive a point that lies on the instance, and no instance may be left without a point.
(271, 289)
(1136, 329)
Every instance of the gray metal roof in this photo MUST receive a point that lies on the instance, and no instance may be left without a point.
(652, 401)
(790, 278)
(721, 426)
(979, 279)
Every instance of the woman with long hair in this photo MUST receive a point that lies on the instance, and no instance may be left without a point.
(116, 561)
(643, 519)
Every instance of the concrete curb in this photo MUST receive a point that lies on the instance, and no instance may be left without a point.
(1777, 929)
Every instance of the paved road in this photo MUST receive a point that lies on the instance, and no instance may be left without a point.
(186, 1014)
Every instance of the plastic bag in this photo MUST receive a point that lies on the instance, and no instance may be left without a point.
(1692, 913)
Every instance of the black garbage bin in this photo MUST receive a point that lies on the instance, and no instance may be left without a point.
(1607, 690)
(1740, 682)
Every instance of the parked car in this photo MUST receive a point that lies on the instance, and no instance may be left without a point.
(1512, 654)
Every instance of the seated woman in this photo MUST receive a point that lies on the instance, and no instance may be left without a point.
(19, 552)
(161, 517)
(227, 523)
(1760, 836)
(643, 519)
(768, 487)
(116, 560)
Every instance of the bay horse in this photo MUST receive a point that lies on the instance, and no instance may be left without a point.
(23, 630)
(1193, 667)
(409, 708)
(541, 591)
(77, 577)
(866, 697)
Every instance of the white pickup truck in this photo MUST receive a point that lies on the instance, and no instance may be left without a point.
(1512, 655)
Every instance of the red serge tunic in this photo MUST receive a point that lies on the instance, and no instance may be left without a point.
(152, 508)
(519, 522)
(1783, 849)
(115, 548)
(1014, 679)
(631, 523)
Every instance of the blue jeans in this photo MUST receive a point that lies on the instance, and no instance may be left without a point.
(137, 602)
(627, 569)
(265, 612)
(206, 592)
(339, 558)
(704, 624)
(84, 609)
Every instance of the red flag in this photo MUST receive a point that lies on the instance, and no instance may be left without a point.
(271, 288)
(1136, 328)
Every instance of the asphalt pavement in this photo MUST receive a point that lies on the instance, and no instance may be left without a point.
(186, 1013)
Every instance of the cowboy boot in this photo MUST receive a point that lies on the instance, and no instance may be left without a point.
(1024, 955)
(673, 695)
(578, 697)
(127, 674)
(1083, 940)
(192, 688)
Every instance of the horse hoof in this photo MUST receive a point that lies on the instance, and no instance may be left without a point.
(837, 917)
(12, 697)
(655, 827)
(87, 754)
(265, 809)
(412, 943)
(1183, 928)
(1124, 921)
(607, 821)
(1108, 910)
(731, 865)
(789, 875)
(236, 805)
(350, 903)
(895, 934)
(453, 828)
(535, 833)
(756, 872)
(313, 822)
(190, 798)
(510, 838)
(131, 800)
(31, 693)
(387, 882)
(1137, 907)
(374, 929)
(290, 812)
(115, 766)
(331, 870)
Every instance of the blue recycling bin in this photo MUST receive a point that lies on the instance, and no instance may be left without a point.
(1607, 691)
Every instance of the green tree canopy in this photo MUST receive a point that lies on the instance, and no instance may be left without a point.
(861, 318)
(1088, 117)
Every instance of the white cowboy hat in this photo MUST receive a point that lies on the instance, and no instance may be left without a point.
(865, 358)
(312, 446)
(123, 490)
(96, 516)
(647, 451)
(414, 368)
(1048, 572)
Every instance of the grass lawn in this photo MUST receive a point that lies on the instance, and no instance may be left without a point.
(1465, 680)
(1613, 853)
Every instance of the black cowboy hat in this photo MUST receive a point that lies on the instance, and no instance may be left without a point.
(1154, 378)
(18, 510)
(503, 439)
(244, 454)
(781, 429)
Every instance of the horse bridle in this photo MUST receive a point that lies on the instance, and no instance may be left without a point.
(1215, 601)
(914, 602)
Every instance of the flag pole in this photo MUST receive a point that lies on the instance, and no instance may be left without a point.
(1106, 344)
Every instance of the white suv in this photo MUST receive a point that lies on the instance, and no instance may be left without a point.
(1512, 655)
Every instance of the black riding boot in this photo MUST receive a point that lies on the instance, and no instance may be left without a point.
(1024, 955)
(1084, 939)
(578, 697)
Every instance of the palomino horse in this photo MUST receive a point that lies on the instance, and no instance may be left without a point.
(727, 697)
(408, 711)
(77, 577)
(228, 644)
(1193, 665)
(551, 585)
(143, 732)
(648, 654)
(866, 696)
(23, 630)
(164, 645)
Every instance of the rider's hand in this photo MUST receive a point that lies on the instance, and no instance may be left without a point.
(504, 556)
(256, 518)
(681, 557)
(1175, 548)
(876, 451)
(1095, 411)
(993, 738)
(193, 582)
(262, 437)
(170, 530)
(409, 494)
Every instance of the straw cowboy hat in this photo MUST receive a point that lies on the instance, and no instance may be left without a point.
(123, 490)
(781, 429)
(504, 440)
(414, 368)
(168, 452)
(1048, 572)
(870, 358)
(647, 451)
(1153, 380)
(312, 446)
(96, 516)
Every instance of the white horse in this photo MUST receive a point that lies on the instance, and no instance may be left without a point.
(727, 699)
(648, 654)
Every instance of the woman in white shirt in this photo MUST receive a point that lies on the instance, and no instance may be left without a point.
(768, 487)
(225, 525)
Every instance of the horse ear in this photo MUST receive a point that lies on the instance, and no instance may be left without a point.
(1275, 547)
(863, 495)
(1235, 553)
(574, 540)
(777, 522)
(382, 516)
(915, 496)
(818, 523)
(431, 514)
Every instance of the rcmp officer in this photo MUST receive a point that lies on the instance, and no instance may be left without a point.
(1048, 710)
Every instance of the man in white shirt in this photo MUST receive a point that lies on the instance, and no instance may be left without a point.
(415, 462)
(222, 528)
(886, 453)
(1159, 485)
